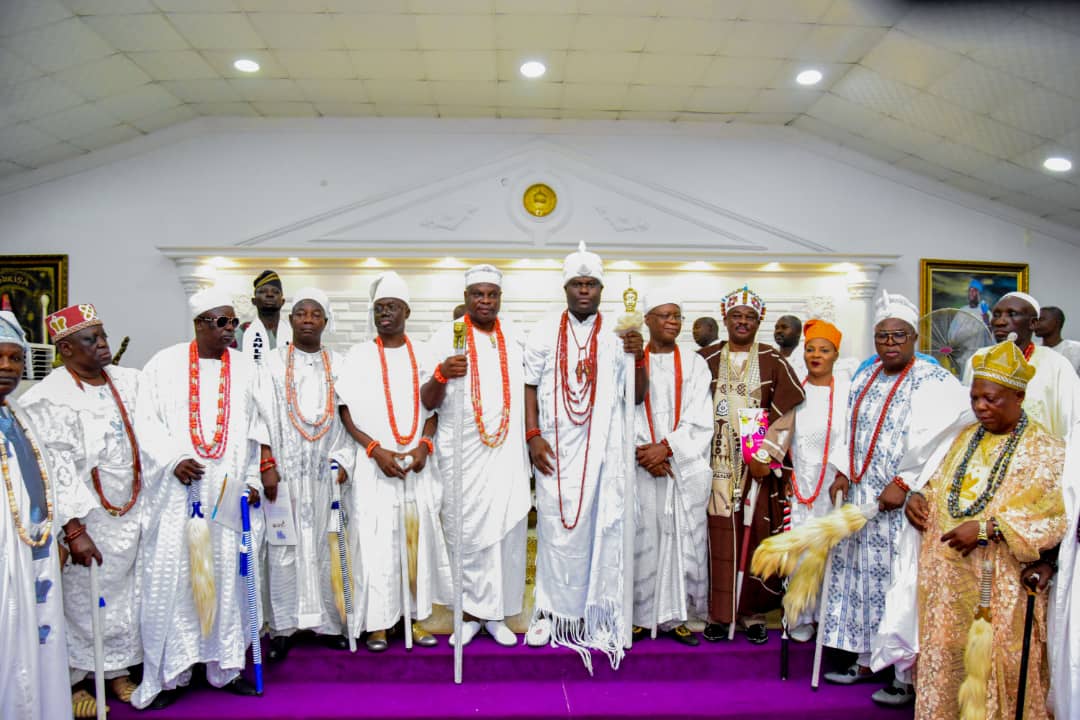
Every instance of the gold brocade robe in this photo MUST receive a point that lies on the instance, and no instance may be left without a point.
(1029, 510)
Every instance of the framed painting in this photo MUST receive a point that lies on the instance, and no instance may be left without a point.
(32, 286)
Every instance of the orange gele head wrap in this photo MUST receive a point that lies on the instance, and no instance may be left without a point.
(821, 329)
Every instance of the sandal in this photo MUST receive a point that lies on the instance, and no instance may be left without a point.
(83, 704)
(123, 688)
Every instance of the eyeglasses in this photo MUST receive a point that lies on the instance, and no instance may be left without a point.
(667, 317)
(222, 320)
(894, 337)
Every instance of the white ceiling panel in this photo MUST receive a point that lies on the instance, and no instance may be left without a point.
(975, 94)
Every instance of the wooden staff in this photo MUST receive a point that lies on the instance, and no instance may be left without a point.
(1025, 654)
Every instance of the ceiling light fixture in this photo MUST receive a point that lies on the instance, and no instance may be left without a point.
(246, 65)
(809, 77)
(533, 69)
(1057, 164)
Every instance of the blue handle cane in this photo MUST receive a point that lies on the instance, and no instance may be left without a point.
(247, 558)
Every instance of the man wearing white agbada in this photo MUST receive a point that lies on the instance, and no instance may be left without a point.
(379, 391)
(1052, 399)
(574, 382)
(196, 400)
(33, 645)
(901, 409)
(103, 512)
(298, 405)
(495, 478)
(674, 431)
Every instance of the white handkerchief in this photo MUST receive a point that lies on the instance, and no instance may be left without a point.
(280, 528)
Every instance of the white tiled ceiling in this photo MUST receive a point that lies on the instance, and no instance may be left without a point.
(974, 94)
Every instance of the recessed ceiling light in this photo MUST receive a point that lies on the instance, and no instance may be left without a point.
(1058, 164)
(809, 77)
(246, 65)
(533, 69)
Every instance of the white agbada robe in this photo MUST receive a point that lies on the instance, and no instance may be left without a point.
(105, 445)
(579, 572)
(298, 576)
(33, 644)
(929, 408)
(1070, 350)
(172, 638)
(797, 361)
(258, 343)
(495, 481)
(674, 507)
(372, 500)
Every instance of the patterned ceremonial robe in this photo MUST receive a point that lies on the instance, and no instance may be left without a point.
(172, 638)
(765, 380)
(579, 571)
(373, 500)
(495, 480)
(33, 644)
(298, 576)
(671, 511)
(927, 409)
(104, 445)
(1064, 623)
(1027, 508)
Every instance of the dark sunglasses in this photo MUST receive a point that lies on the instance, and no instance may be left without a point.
(222, 320)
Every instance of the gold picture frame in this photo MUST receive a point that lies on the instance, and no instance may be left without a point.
(34, 286)
(945, 283)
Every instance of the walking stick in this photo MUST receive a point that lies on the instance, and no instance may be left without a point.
(819, 638)
(748, 522)
(1029, 619)
(784, 640)
(339, 545)
(247, 564)
(96, 603)
(403, 557)
(459, 433)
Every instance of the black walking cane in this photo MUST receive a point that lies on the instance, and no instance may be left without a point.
(1029, 619)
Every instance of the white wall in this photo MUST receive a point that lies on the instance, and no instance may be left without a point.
(299, 185)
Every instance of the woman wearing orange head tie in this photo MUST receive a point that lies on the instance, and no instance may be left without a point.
(817, 448)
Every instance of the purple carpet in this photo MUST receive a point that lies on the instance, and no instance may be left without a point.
(658, 678)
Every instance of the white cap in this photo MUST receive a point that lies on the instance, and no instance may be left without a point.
(483, 274)
(582, 264)
(1026, 298)
(312, 293)
(661, 296)
(890, 305)
(208, 299)
(389, 285)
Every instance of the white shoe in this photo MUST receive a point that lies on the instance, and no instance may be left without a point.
(502, 634)
(469, 628)
(802, 633)
(539, 633)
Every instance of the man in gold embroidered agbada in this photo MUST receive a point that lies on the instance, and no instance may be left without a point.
(996, 497)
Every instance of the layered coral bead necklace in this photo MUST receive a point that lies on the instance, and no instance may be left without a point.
(578, 402)
(852, 475)
(809, 501)
(491, 441)
(136, 461)
(215, 449)
(12, 505)
(401, 440)
(321, 425)
(678, 393)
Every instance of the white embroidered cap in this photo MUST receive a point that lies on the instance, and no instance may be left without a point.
(208, 299)
(1026, 298)
(582, 264)
(892, 305)
(483, 274)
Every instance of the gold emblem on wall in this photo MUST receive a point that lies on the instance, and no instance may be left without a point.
(539, 200)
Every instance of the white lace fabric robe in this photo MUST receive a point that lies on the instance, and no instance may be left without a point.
(172, 638)
(674, 507)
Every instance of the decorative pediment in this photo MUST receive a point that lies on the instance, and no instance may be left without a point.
(482, 210)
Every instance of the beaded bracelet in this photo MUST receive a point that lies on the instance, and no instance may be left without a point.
(983, 538)
(640, 364)
(77, 532)
(665, 443)
(267, 464)
(430, 445)
(530, 434)
(371, 447)
(899, 482)
(439, 377)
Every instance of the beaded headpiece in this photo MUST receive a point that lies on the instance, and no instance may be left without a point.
(71, 320)
(743, 297)
(1003, 364)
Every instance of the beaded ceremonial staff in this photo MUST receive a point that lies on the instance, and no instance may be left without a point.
(340, 571)
(247, 571)
(459, 438)
(96, 603)
(629, 321)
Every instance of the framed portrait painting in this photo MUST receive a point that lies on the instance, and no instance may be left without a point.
(32, 286)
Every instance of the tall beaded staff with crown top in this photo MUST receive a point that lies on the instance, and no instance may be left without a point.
(630, 320)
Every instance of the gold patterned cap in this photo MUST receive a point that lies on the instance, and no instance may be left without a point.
(1003, 364)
